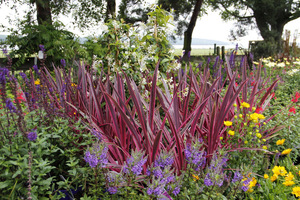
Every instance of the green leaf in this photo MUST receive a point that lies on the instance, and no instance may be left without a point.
(5, 184)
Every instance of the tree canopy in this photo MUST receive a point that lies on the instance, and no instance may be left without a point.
(269, 16)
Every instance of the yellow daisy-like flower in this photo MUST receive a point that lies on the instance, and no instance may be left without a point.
(245, 105)
(296, 191)
(280, 142)
(37, 82)
(285, 152)
(253, 182)
(289, 177)
(258, 135)
(266, 176)
(274, 177)
(265, 147)
(195, 177)
(230, 132)
(278, 170)
(260, 116)
(288, 183)
(227, 123)
(254, 116)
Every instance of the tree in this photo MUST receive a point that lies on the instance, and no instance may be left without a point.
(270, 16)
(41, 26)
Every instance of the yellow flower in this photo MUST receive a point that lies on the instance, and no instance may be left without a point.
(227, 123)
(285, 152)
(252, 183)
(279, 171)
(274, 177)
(265, 147)
(260, 116)
(288, 183)
(258, 135)
(196, 177)
(230, 132)
(245, 105)
(289, 177)
(37, 82)
(73, 85)
(280, 142)
(266, 176)
(296, 191)
(254, 117)
(235, 105)
(221, 138)
(246, 142)
(240, 115)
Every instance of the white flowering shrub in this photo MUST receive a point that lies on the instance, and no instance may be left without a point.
(135, 49)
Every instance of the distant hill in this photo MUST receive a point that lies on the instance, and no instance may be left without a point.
(199, 41)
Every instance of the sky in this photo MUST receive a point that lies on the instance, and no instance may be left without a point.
(210, 26)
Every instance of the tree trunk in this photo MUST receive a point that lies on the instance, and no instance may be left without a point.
(188, 33)
(43, 11)
(110, 10)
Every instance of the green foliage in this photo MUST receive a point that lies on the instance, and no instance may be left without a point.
(59, 44)
(52, 156)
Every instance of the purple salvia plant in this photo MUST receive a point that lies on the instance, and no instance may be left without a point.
(10, 105)
(134, 164)
(97, 134)
(36, 69)
(215, 174)
(32, 136)
(63, 62)
(96, 156)
(42, 47)
(194, 156)
(237, 177)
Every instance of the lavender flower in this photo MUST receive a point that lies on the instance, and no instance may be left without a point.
(42, 47)
(3, 73)
(10, 105)
(163, 161)
(237, 177)
(112, 190)
(5, 51)
(63, 62)
(24, 76)
(207, 180)
(246, 183)
(195, 157)
(32, 136)
(150, 191)
(97, 134)
(97, 156)
(134, 164)
(176, 190)
(35, 68)
(158, 190)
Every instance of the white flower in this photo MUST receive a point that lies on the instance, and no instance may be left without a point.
(281, 64)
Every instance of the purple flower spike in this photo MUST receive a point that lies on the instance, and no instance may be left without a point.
(42, 47)
(35, 68)
(32, 136)
(5, 52)
(176, 191)
(237, 177)
(63, 62)
(112, 190)
(207, 180)
(10, 105)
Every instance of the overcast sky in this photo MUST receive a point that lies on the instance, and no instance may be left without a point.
(210, 26)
